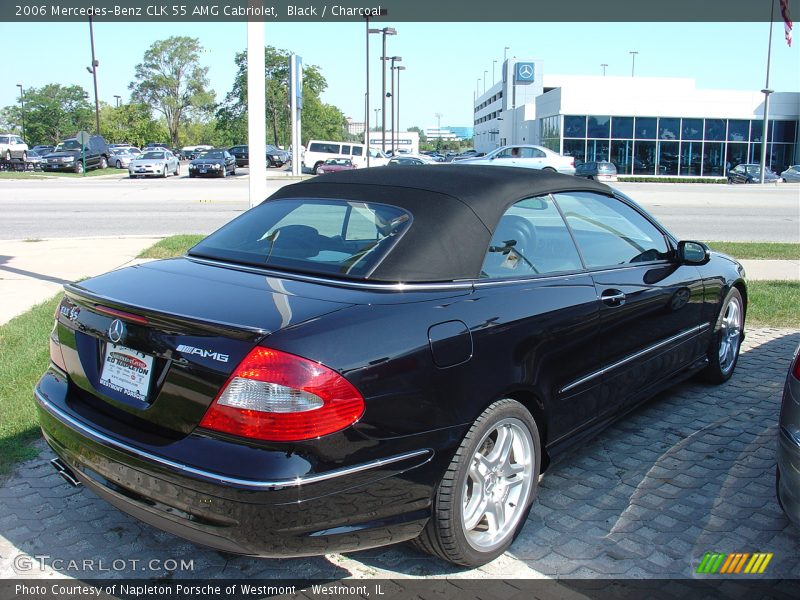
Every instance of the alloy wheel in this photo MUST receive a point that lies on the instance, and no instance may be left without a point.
(730, 334)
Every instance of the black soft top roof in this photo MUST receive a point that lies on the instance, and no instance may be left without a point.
(455, 209)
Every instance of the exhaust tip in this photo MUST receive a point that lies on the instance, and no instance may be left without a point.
(66, 473)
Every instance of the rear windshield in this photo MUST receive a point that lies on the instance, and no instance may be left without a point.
(310, 235)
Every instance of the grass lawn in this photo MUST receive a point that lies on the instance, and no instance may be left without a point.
(773, 304)
(24, 356)
(770, 250)
(175, 245)
(51, 174)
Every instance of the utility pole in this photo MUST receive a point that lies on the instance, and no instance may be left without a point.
(399, 68)
(366, 103)
(394, 131)
(93, 71)
(22, 102)
(386, 31)
(766, 91)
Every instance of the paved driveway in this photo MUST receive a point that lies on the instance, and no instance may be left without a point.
(689, 473)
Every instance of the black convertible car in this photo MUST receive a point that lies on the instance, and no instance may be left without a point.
(379, 355)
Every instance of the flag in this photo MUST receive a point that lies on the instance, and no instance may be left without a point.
(787, 21)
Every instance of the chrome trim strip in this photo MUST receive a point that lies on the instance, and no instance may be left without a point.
(359, 285)
(215, 477)
(634, 356)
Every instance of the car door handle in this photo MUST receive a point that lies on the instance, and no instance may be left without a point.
(613, 298)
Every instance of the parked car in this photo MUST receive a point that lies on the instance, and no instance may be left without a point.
(787, 473)
(531, 157)
(792, 174)
(467, 154)
(410, 159)
(12, 146)
(158, 163)
(42, 150)
(334, 165)
(318, 151)
(377, 355)
(120, 157)
(275, 156)
(751, 173)
(599, 171)
(215, 163)
(69, 155)
(156, 145)
(34, 160)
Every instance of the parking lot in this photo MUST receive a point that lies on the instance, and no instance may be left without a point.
(690, 472)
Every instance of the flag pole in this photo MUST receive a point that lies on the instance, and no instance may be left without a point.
(766, 91)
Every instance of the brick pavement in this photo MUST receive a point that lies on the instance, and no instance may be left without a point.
(691, 471)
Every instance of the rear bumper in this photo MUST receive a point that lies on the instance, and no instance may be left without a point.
(789, 451)
(361, 505)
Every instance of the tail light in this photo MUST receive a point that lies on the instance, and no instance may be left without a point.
(796, 366)
(276, 396)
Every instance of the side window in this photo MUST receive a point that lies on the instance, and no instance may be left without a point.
(358, 150)
(531, 238)
(345, 149)
(609, 232)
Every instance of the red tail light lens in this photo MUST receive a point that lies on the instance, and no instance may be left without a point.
(276, 396)
(796, 366)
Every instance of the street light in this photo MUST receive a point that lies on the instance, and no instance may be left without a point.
(118, 99)
(394, 59)
(366, 102)
(377, 110)
(399, 68)
(438, 131)
(494, 63)
(506, 49)
(385, 31)
(22, 102)
(604, 65)
(93, 71)
(633, 60)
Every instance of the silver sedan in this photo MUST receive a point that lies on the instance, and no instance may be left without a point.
(120, 158)
(159, 163)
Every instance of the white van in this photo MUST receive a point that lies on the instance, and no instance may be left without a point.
(318, 151)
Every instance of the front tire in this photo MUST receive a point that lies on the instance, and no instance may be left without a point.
(79, 167)
(488, 489)
(316, 168)
(8, 155)
(723, 353)
(118, 165)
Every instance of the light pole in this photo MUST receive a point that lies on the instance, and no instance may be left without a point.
(438, 131)
(93, 71)
(766, 91)
(485, 73)
(506, 49)
(604, 65)
(394, 59)
(377, 110)
(118, 98)
(399, 68)
(477, 86)
(633, 60)
(385, 31)
(494, 64)
(366, 103)
(22, 102)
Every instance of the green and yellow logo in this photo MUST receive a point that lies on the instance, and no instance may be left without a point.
(716, 563)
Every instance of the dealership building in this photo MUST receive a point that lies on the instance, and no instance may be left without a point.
(644, 125)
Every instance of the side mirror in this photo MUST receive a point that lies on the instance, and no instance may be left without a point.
(693, 253)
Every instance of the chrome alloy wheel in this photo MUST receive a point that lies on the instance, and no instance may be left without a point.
(730, 334)
(498, 485)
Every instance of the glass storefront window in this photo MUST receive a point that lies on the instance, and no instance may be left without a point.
(691, 158)
(737, 154)
(783, 131)
(755, 153)
(646, 128)
(692, 129)
(622, 154)
(574, 126)
(669, 129)
(713, 154)
(644, 154)
(598, 127)
(667, 158)
(756, 129)
(738, 131)
(622, 128)
(575, 149)
(715, 130)
(596, 150)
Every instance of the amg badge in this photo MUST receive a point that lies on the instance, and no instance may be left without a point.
(201, 352)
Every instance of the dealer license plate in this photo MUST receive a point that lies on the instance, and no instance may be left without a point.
(127, 371)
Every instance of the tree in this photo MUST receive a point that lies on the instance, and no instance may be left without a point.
(131, 124)
(320, 120)
(52, 113)
(422, 137)
(171, 81)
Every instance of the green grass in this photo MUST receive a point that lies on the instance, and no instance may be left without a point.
(172, 246)
(24, 356)
(764, 250)
(51, 174)
(22, 175)
(773, 304)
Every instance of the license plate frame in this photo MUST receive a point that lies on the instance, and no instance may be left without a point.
(127, 372)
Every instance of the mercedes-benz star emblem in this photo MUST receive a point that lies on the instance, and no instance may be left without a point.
(116, 331)
(525, 71)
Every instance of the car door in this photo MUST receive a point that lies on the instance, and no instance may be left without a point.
(536, 315)
(650, 305)
(507, 157)
(532, 158)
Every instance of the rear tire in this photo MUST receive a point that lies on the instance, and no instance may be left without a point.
(118, 165)
(8, 155)
(486, 494)
(549, 169)
(726, 341)
(79, 167)
(24, 156)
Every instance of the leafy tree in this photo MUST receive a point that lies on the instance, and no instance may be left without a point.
(52, 113)
(422, 137)
(132, 124)
(171, 81)
(320, 120)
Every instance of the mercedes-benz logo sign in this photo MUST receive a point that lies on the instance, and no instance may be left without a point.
(525, 72)
(116, 331)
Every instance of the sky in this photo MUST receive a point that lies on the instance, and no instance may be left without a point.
(443, 60)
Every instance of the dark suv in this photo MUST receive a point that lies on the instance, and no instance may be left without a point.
(68, 156)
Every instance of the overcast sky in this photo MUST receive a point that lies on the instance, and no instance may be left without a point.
(443, 60)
